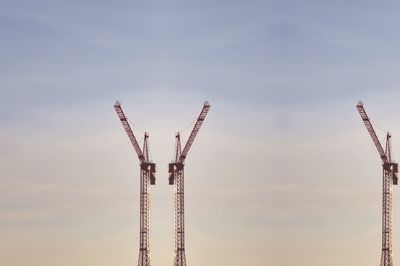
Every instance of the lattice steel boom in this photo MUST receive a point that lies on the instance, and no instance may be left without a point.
(147, 175)
(390, 178)
(176, 177)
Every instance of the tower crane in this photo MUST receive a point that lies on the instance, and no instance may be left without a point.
(176, 178)
(147, 176)
(390, 178)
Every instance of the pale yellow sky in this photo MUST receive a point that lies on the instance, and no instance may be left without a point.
(70, 192)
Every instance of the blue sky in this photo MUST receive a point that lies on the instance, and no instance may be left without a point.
(283, 172)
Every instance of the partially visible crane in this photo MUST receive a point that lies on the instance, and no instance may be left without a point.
(147, 175)
(176, 177)
(390, 178)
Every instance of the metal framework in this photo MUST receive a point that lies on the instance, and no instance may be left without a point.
(147, 176)
(390, 178)
(176, 177)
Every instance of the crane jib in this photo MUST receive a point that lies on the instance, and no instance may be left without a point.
(129, 132)
(195, 130)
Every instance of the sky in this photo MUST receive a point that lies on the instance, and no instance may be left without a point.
(283, 171)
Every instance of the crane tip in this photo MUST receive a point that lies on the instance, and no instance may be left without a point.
(359, 103)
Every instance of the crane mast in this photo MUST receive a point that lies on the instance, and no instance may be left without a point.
(176, 178)
(147, 177)
(390, 178)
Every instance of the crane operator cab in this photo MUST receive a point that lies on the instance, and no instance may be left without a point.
(392, 168)
(150, 168)
(395, 174)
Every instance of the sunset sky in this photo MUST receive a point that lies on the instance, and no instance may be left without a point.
(283, 171)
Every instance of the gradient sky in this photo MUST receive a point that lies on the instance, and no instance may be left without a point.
(282, 173)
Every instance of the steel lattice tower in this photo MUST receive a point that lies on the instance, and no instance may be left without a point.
(177, 178)
(390, 178)
(147, 171)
